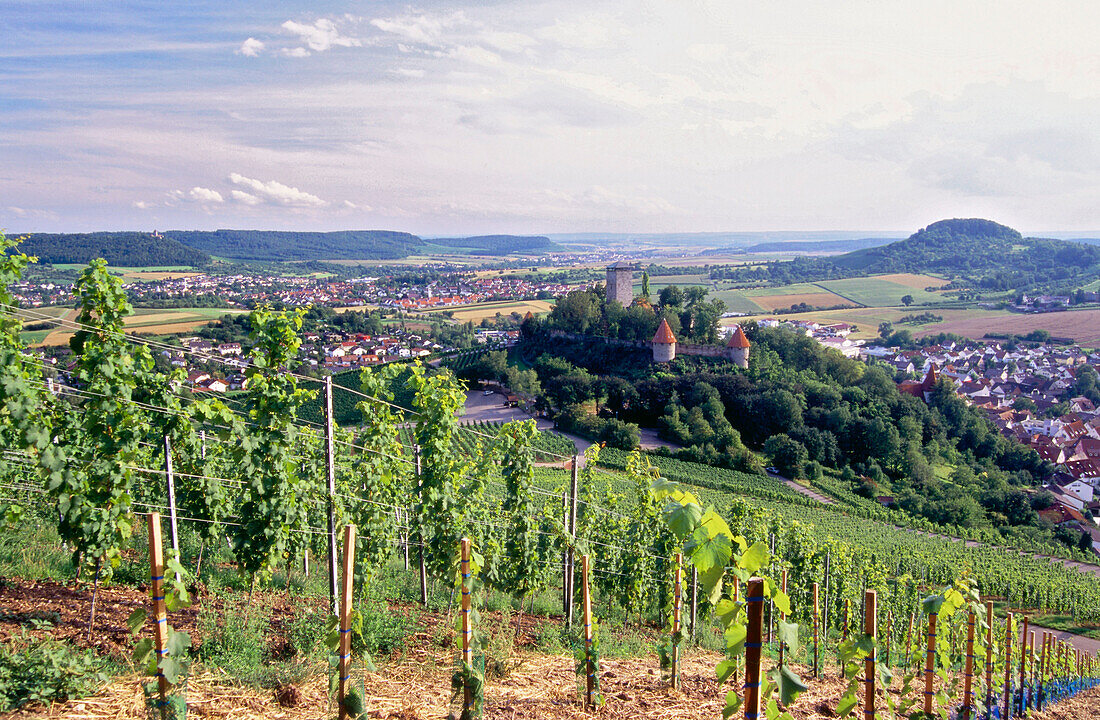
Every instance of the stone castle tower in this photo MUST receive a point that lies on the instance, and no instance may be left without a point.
(620, 283)
(737, 349)
(664, 344)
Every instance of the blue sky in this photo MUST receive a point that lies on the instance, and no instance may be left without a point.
(627, 116)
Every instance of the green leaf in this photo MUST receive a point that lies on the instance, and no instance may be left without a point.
(782, 601)
(847, 703)
(708, 553)
(178, 643)
(682, 519)
(788, 634)
(170, 668)
(733, 704)
(136, 620)
(735, 639)
(711, 582)
(143, 653)
(755, 557)
(724, 669)
(932, 604)
(790, 685)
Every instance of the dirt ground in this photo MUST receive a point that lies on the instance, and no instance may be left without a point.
(414, 684)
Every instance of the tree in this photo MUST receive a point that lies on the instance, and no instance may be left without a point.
(789, 456)
(645, 285)
(671, 296)
(906, 300)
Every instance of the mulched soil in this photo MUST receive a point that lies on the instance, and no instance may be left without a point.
(413, 684)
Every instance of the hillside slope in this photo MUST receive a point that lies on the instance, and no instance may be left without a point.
(126, 249)
(277, 245)
(976, 247)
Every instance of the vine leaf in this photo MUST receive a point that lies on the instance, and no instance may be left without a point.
(755, 557)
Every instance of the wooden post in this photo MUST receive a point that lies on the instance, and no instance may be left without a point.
(160, 619)
(1023, 664)
(909, 640)
(330, 475)
(171, 498)
(968, 678)
(782, 617)
(694, 599)
(825, 606)
(870, 628)
(847, 619)
(929, 663)
(889, 637)
(202, 444)
(736, 601)
(753, 645)
(989, 657)
(677, 592)
(467, 629)
(405, 536)
(423, 549)
(1042, 671)
(817, 622)
(1031, 669)
(1008, 668)
(344, 612)
(571, 552)
(586, 614)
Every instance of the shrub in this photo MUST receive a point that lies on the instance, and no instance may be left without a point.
(45, 671)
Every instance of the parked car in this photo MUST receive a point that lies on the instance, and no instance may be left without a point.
(488, 393)
(771, 470)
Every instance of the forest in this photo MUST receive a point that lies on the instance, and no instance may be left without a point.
(972, 252)
(809, 412)
(125, 249)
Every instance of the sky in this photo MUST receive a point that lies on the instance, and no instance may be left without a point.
(549, 116)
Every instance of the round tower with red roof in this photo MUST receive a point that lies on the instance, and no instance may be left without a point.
(664, 343)
(737, 349)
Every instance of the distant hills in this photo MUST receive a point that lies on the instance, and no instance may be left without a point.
(280, 245)
(823, 246)
(123, 249)
(980, 249)
(496, 244)
(196, 248)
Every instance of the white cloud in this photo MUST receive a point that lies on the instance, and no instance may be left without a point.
(322, 35)
(205, 195)
(277, 193)
(251, 47)
(243, 197)
(422, 29)
(298, 52)
(142, 205)
(476, 55)
(407, 72)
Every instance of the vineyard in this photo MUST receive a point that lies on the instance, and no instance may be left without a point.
(259, 501)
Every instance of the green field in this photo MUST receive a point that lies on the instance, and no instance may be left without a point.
(877, 292)
(736, 301)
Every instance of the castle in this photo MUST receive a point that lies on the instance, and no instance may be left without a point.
(620, 283)
(665, 347)
(620, 288)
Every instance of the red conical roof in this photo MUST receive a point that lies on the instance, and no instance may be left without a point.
(929, 379)
(664, 334)
(738, 339)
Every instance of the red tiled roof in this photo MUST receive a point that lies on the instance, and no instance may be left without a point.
(738, 339)
(664, 334)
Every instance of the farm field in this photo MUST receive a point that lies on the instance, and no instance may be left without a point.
(480, 311)
(879, 291)
(867, 319)
(156, 321)
(1081, 325)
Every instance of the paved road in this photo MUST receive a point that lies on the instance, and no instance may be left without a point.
(1078, 641)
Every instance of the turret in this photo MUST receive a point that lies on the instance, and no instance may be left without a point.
(664, 343)
(737, 349)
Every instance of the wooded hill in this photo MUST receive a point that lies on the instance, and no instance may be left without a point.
(126, 249)
(976, 252)
(194, 248)
(979, 248)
